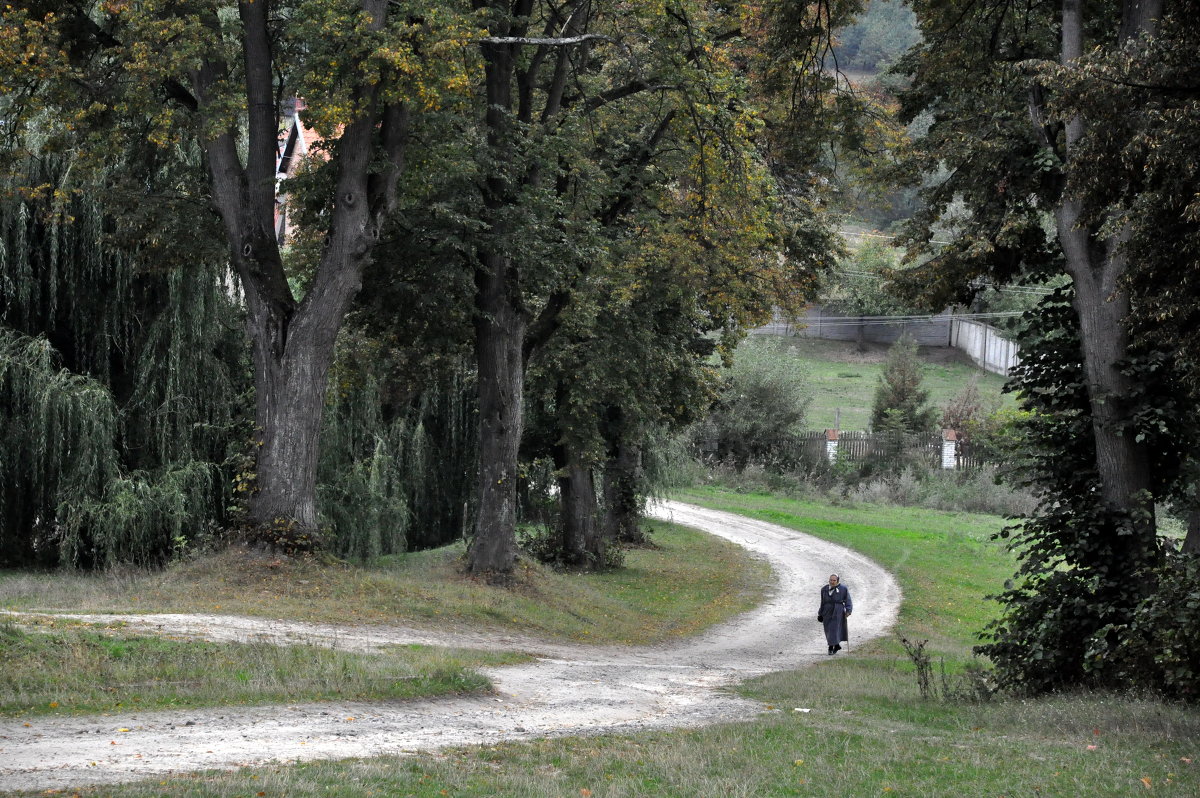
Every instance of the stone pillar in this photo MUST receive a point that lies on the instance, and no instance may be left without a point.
(831, 445)
(949, 448)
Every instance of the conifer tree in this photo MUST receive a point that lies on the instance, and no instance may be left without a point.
(900, 403)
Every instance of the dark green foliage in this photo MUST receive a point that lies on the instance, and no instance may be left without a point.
(120, 384)
(901, 405)
(1159, 647)
(1084, 578)
(57, 430)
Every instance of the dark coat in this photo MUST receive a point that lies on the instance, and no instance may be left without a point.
(835, 606)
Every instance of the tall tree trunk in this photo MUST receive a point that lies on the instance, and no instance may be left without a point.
(1102, 306)
(499, 336)
(578, 509)
(500, 324)
(622, 477)
(1191, 542)
(1097, 268)
(290, 379)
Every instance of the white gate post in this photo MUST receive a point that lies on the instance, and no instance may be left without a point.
(949, 448)
(831, 445)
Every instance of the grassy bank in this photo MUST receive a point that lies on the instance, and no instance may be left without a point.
(866, 731)
(660, 593)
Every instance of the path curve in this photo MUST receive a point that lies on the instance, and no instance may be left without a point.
(569, 690)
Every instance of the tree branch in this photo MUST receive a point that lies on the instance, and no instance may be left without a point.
(540, 41)
(262, 120)
(545, 325)
(624, 198)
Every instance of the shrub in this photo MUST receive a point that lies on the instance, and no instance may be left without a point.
(1159, 648)
(760, 414)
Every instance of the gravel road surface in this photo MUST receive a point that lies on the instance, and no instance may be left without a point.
(568, 690)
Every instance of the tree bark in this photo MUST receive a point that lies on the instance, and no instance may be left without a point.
(1191, 542)
(289, 402)
(1097, 268)
(622, 506)
(1102, 307)
(578, 509)
(499, 335)
(500, 321)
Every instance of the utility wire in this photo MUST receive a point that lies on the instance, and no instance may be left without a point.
(855, 321)
(883, 236)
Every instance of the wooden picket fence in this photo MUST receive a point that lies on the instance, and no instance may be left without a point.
(941, 450)
(865, 447)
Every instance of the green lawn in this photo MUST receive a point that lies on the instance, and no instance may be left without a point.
(867, 732)
(76, 669)
(843, 380)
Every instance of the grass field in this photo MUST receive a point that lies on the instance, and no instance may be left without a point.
(866, 731)
(843, 379)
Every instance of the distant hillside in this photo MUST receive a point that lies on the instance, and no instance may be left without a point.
(884, 30)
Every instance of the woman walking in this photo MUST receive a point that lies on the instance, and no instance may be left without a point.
(835, 609)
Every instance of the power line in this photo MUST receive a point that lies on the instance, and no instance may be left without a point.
(885, 321)
(883, 236)
(1030, 290)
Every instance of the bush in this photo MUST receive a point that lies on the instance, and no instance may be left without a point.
(760, 414)
(1159, 648)
(971, 491)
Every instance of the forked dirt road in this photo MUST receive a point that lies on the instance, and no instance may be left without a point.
(568, 690)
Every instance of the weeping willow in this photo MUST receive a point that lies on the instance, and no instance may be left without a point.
(121, 381)
(57, 435)
(394, 476)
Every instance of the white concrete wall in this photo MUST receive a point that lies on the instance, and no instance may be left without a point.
(984, 345)
(981, 342)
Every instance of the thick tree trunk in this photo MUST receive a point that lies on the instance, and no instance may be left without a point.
(622, 477)
(622, 507)
(499, 336)
(1102, 306)
(1191, 543)
(578, 509)
(290, 377)
(1097, 268)
(500, 325)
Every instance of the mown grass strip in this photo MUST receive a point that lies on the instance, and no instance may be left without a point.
(64, 670)
(946, 563)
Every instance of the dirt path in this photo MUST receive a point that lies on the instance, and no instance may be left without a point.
(569, 690)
